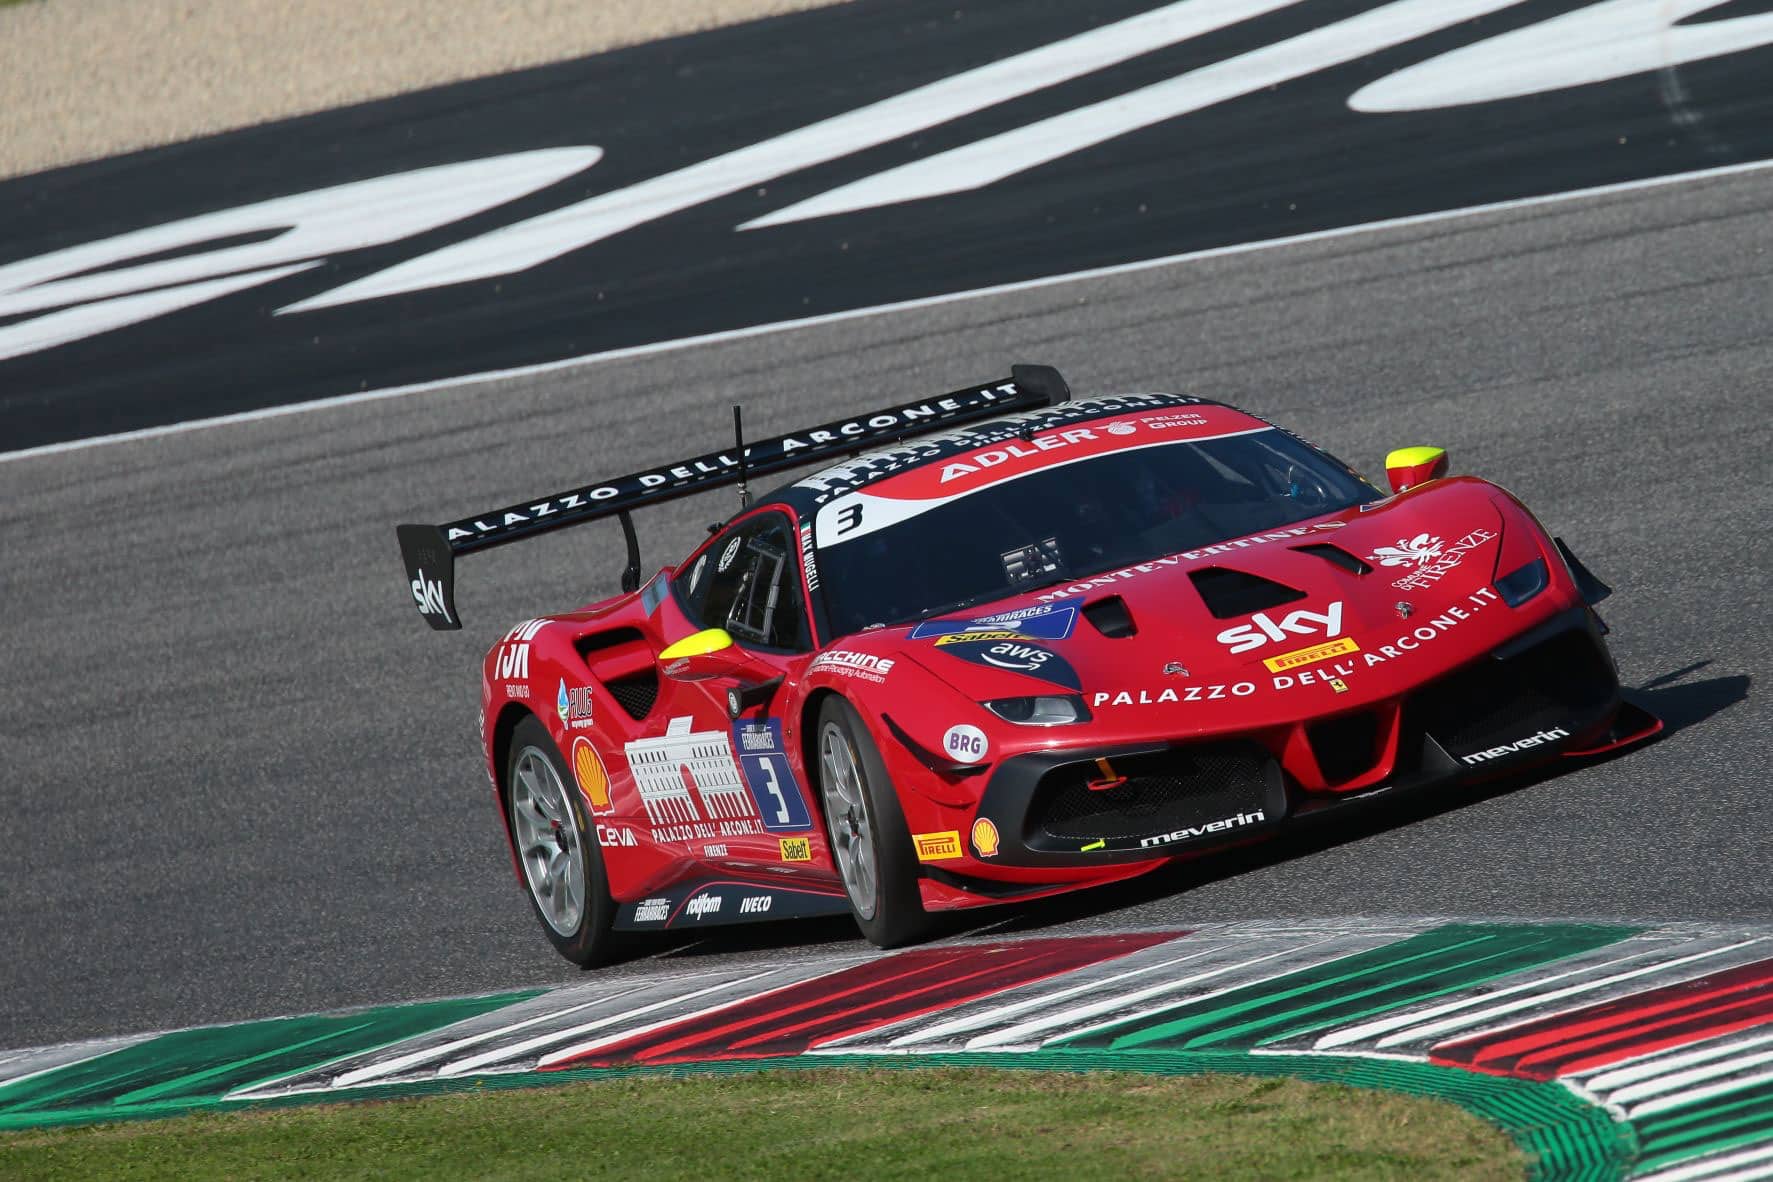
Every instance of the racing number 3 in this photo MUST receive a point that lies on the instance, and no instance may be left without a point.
(774, 788)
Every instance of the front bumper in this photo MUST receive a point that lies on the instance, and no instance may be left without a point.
(1549, 692)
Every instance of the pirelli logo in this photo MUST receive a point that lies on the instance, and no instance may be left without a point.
(1312, 655)
(937, 847)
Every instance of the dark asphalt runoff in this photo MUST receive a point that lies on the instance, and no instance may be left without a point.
(1197, 137)
(241, 777)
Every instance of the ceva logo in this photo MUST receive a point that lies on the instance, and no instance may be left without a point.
(1264, 629)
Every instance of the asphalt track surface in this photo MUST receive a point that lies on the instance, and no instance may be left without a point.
(242, 777)
(1233, 135)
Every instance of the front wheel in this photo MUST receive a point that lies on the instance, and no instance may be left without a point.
(557, 848)
(869, 840)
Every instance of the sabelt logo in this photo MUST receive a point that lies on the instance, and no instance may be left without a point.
(1310, 656)
(968, 637)
(428, 594)
(1265, 629)
(703, 904)
(937, 847)
(797, 849)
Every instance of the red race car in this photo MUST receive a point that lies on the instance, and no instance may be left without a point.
(1058, 643)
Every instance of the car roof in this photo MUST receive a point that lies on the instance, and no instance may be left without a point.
(808, 493)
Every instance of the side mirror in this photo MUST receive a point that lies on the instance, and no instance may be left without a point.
(712, 653)
(1409, 466)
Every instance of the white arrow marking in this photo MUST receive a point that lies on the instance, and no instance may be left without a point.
(539, 239)
(305, 226)
(990, 160)
(1614, 39)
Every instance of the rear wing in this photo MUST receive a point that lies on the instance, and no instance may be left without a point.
(430, 551)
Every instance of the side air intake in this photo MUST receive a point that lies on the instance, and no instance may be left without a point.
(1336, 556)
(1231, 593)
(1111, 617)
(622, 661)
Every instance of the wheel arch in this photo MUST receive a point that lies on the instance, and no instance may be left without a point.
(809, 744)
(499, 758)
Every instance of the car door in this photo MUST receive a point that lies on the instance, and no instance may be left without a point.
(725, 786)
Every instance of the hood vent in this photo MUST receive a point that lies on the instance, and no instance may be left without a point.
(1111, 617)
(1231, 593)
(1336, 556)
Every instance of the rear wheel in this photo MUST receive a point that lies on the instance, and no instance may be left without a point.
(557, 847)
(869, 839)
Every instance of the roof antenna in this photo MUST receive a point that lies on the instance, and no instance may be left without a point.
(739, 437)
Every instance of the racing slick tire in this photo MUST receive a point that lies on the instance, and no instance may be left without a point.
(557, 848)
(869, 839)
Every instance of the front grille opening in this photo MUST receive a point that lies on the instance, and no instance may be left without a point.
(636, 692)
(1231, 593)
(1163, 792)
(1345, 747)
(1336, 556)
(1111, 617)
(1563, 681)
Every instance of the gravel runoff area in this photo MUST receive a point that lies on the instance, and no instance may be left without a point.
(80, 79)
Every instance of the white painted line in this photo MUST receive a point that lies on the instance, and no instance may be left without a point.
(505, 1054)
(449, 1050)
(998, 1014)
(578, 1050)
(758, 330)
(988, 161)
(1695, 1095)
(1289, 963)
(1417, 1029)
(1710, 1168)
(547, 236)
(1677, 1080)
(1606, 1079)
(1410, 1019)
(18, 1066)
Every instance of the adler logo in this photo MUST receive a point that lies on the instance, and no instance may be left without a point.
(1265, 629)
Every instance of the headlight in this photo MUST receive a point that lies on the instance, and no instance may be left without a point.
(1521, 585)
(1050, 710)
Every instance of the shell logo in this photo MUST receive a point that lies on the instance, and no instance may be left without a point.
(985, 838)
(588, 770)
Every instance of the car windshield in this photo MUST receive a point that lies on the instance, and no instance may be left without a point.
(1062, 523)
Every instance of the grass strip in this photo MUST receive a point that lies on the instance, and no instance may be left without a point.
(962, 1123)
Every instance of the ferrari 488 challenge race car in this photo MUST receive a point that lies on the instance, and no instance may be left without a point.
(1011, 644)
